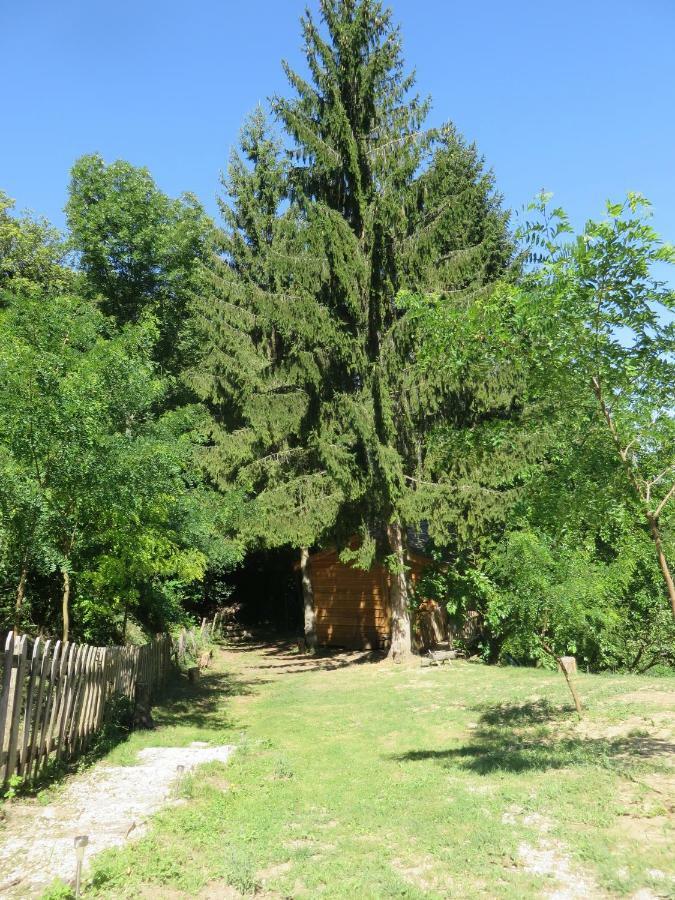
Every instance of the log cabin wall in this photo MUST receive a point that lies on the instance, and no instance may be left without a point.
(352, 606)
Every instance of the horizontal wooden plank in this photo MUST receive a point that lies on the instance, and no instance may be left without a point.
(355, 622)
(351, 612)
(351, 589)
(350, 609)
(362, 591)
(364, 597)
(354, 626)
(338, 579)
(340, 571)
(353, 605)
(356, 588)
(330, 632)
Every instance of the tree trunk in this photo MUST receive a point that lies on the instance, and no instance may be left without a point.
(65, 601)
(308, 601)
(124, 621)
(663, 562)
(20, 595)
(401, 638)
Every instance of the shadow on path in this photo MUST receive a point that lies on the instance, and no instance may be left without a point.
(281, 654)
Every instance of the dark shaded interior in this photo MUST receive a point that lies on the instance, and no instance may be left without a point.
(268, 589)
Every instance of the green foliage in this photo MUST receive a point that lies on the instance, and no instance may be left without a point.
(12, 787)
(59, 890)
(31, 251)
(97, 490)
(139, 249)
(548, 600)
(581, 466)
(598, 319)
(308, 361)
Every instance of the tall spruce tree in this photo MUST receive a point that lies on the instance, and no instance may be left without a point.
(267, 345)
(309, 350)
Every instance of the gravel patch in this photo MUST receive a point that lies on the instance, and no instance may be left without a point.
(110, 804)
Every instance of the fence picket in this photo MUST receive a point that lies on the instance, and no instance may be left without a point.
(67, 700)
(86, 716)
(29, 714)
(51, 708)
(16, 703)
(7, 667)
(41, 705)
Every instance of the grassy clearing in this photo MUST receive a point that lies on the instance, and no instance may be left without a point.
(371, 780)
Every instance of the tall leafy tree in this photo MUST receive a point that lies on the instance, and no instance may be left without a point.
(76, 440)
(100, 496)
(139, 249)
(589, 336)
(376, 205)
(601, 326)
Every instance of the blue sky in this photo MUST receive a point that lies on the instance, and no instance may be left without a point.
(576, 97)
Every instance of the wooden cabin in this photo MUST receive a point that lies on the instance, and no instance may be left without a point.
(352, 605)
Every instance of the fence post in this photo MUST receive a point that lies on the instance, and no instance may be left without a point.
(40, 711)
(8, 665)
(15, 703)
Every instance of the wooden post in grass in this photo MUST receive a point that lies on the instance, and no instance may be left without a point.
(568, 666)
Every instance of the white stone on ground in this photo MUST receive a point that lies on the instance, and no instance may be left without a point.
(550, 859)
(110, 804)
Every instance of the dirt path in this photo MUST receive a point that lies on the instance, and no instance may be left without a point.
(111, 803)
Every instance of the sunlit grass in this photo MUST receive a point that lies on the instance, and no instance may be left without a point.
(382, 781)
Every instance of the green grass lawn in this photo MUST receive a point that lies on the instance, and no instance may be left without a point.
(375, 780)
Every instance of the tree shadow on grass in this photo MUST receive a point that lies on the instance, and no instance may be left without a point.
(537, 712)
(502, 743)
(296, 664)
(202, 704)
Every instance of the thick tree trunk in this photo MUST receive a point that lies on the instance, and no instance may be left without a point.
(308, 601)
(65, 605)
(663, 562)
(401, 637)
(20, 595)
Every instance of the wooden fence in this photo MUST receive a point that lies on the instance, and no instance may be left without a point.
(54, 696)
(190, 640)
